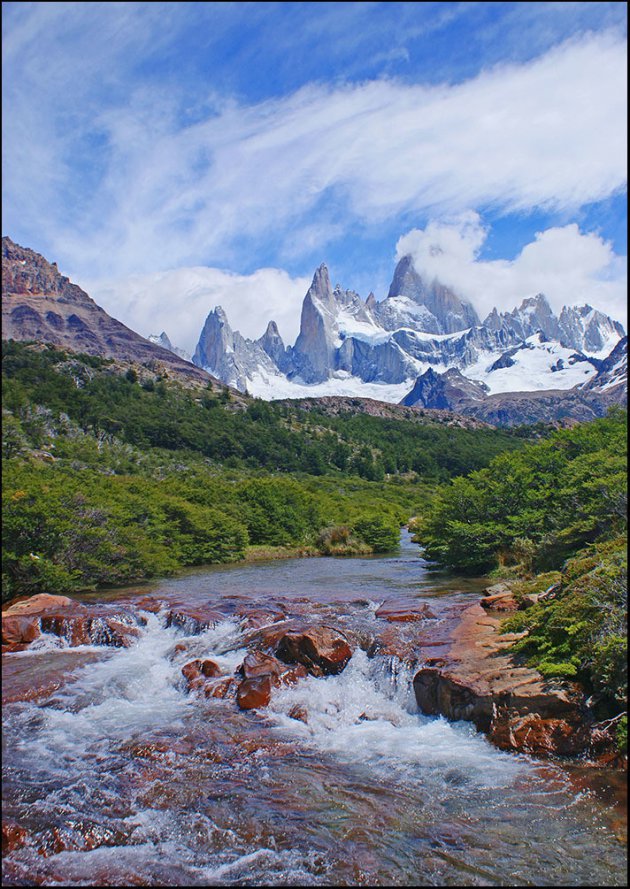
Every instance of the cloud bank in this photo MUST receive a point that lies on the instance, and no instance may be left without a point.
(569, 267)
(178, 302)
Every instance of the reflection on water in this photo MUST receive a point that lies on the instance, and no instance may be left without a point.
(121, 778)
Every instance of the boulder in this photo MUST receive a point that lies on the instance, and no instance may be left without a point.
(321, 649)
(19, 630)
(257, 663)
(37, 604)
(253, 693)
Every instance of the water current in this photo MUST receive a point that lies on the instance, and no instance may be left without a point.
(123, 778)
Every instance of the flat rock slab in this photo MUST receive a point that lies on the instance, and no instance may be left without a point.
(404, 611)
(476, 678)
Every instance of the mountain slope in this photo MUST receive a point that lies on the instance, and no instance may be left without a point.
(40, 304)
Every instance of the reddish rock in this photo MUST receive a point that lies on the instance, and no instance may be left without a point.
(477, 679)
(404, 611)
(256, 616)
(293, 675)
(533, 733)
(253, 693)
(19, 630)
(322, 650)
(195, 620)
(13, 836)
(83, 629)
(257, 663)
(148, 603)
(499, 597)
(39, 603)
(196, 672)
(298, 712)
(219, 688)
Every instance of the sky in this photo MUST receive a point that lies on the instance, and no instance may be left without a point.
(171, 157)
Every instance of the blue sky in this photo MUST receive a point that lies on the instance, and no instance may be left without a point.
(144, 139)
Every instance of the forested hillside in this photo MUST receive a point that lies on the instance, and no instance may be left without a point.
(112, 474)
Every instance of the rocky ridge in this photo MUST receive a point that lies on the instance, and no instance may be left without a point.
(40, 304)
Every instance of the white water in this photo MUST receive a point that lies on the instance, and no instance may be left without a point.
(191, 791)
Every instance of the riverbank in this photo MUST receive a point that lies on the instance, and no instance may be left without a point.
(474, 675)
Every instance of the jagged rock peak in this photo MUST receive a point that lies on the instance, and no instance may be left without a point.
(446, 311)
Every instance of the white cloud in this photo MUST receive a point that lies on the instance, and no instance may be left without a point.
(178, 301)
(569, 267)
(549, 133)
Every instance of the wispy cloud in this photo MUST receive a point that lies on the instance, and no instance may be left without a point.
(129, 185)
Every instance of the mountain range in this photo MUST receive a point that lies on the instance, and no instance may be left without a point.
(423, 346)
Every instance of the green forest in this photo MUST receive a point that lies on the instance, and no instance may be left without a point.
(110, 477)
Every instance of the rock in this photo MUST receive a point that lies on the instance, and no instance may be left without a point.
(19, 630)
(322, 650)
(476, 678)
(298, 712)
(198, 671)
(37, 604)
(13, 836)
(81, 629)
(533, 733)
(148, 603)
(499, 597)
(404, 611)
(218, 688)
(257, 663)
(253, 693)
(194, 621)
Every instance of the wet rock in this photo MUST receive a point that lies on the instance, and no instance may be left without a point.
(79, 835)
(194, 621)
(198, 671)
(81, 629)
(293, 675)
(404, 611)
(13, 836)
(19, 630)
(219, 688)
(148, 603)
(533, 733)
(477, 679)
(253, 693)
(298, 712)
(256, 616)
(257, 663)
(321, 649)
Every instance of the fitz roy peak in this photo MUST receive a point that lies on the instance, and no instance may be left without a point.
(422, 345)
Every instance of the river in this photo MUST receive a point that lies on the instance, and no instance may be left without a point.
(123, 778)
